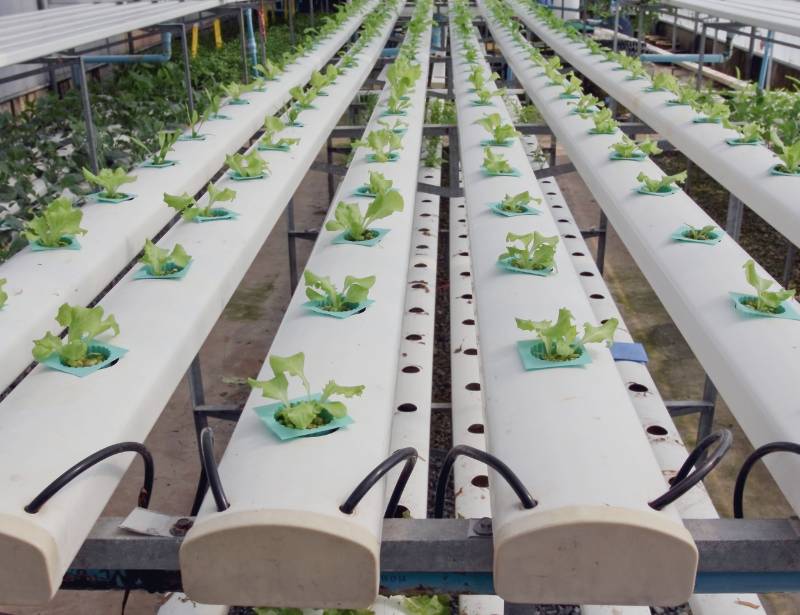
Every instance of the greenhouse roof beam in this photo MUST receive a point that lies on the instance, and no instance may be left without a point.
(777, 15)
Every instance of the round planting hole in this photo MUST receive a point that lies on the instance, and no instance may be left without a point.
(414, 337)
(419, 285)
(578, 254)
(466, 296)
(429, 177)
(596, 296)
(417, 310)
(410, 369)
(468, 321)
(473, 386)
(462, 220)
(587, 274)
(465, 274)
(546, 181)
(424, 230)
(551, 194)
(422, 246)
(461, 206)
(637, 388)
(604, 321)
(556, 206)
(475, 428)
(463, 253)
(471, 351)
(425, 215)
(462, 236)
(421, 265)
(427, 201)
(407, 407)
(563, 220)
(480, 481)
(570, 236)
(656, 430)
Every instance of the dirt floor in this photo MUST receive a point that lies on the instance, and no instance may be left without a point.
(239, 343)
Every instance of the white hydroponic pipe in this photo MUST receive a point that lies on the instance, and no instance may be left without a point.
(750, 360)
(743, 170)
(570, 434)
(52, 420)
(284, 540)
(39, 282)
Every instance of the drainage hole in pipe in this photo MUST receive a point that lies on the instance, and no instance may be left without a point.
(462, 236)
(473, 386)
(556, 206)
(637, 388)
(578, 254)
(466, 296)
(475, 428)
(417, 310)
(427, 201)
(596, 296)
(657, 430)
(462, 219)
(425, 215)
(465, 274)
(419, 285)
(429, 177)
(563, 220)
(464, 253)
(411, 369)
(407, 407)
(420, 265)
(414, 337)
(422, 246)
(551, 194)
(468, 321)
(480, 481)
(471, 351)
(461, 206)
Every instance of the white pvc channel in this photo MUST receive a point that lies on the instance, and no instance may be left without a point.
(593, 506)
(759, 384)
(39, 282)
(743, 170)
(52, 420)
(284, 524)
(664, 437)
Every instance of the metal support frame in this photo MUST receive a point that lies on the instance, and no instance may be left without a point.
(705, 407)
(421, 556)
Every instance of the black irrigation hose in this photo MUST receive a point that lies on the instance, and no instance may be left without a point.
(409, 455)
(210, 469)
(741, 478)
(685, 479)
(525, 498)
(92, 460)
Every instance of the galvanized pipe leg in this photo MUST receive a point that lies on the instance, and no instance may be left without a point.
(198, 397)
(553, 148)
(91, 137)
(706, 421)
(733, 224)
(292, 246)
(600, 259)
(329, 159)
(243, 38)
(187, 70)
(788, 263)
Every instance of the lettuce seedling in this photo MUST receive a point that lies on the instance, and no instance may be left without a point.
(715, 113)
(765, 300)
(470, 55)
(378, 184)
(384, 144)
(54, 227)
(166, 141)
(704, 233)
(560, 341)
(427, 605)
(3, 294)
(555, 76)
(308, 413)
(397, 126)
(213, 104)
(588, 104)
(109, 181)
(604, 122)
(573, 86)
(664, 82)
(628, 148)
(402, 75)
(187, 205)
(536, 253)
(235, 90)
(661, 185)
(396, 105)
(501, 133)
(594, 47)
(269, 70)
(303, 97)
(637, 71)
(246, 166)
(749, 133)
(348, 216)
(686, 95)
(272, 126)
(354, 292)
(495, 163)
(529, 114)
(163, 262)
(517, 203)
(476, 77)
(789, 154)
(83, 326)
(291, 116)
(195, 121)
(485, 96)
(322, 80)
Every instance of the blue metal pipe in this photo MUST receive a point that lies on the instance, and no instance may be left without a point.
(252, 49)
(145, 58)
(674, 58)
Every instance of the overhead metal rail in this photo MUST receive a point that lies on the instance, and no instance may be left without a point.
(25, 37)
(776, 15)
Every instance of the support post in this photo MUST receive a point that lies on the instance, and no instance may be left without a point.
(700, 57)
(600, 259)
(91, 137)
(292, 245)
(195, 376)
(733, 224)
(329, 159)
(748, 69)
(187, 69)
(788, 263)
(243, 38)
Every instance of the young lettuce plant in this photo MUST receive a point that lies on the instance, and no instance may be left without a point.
(518, 203)
(685, 95)
(628, 149)
(304, 98)
(663, 82)
(187, 205)
(3, 294)
(80, 348)
(559, 341)
(788, 154)
(484, 96)
(356, 226)
(402, 75)
(703, 233)
(269, 70)
(320, 81)
(272, 126)
(714, 113)
(765, 301)
(166, 141)
(109, 181)
(495, 164)
(427, 605)
(308, 412)
(384, 144)
(397, 126)
(573, 87)
(213, 105)
(501, 133)
(161, 262)
(587, 105)
(396, 105)
(377, 185)
(749, 134)
(250, 166)
(195, 121)
(604, 123)
(663, 185)
(321, 290)
(536, 252)
(235, 90)
(56, 226)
